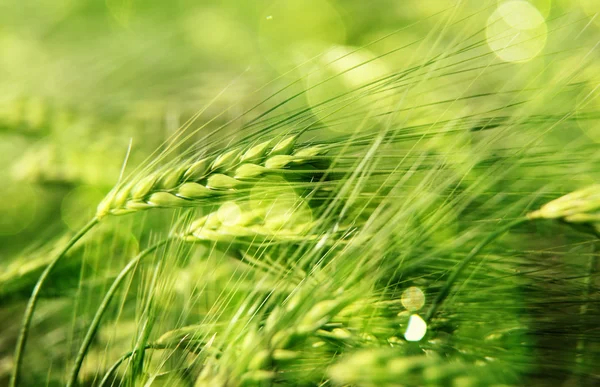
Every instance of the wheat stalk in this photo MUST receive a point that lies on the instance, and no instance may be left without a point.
(104, 306)
(23, 333)
(198, 231)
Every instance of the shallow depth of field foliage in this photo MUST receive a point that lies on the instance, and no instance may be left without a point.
(299, 193)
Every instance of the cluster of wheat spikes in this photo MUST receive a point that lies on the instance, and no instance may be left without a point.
(380, 253)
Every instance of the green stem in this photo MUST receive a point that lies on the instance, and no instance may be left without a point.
(457, 272)
(137, 363)
(148, 319)
(592, 269)
(120, 361)
(26, 324)
(104, 306)
(141, 349)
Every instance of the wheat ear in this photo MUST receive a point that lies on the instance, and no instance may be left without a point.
(290, 220)
(277, 342)
(384, 367)
(207, 179)
(580, 209)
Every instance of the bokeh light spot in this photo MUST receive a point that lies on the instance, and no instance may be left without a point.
(516, 31)
(229, 214)
(297, 30)
(543, 6)
(216, 33)
(78, 206)
(267, 189)
(413, 298)
(591, 8)
(417, 328)
(288, 212)
(520, 14)
(342, 76)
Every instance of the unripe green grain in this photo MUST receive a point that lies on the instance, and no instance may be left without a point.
(307, 153)
(135, 205)
(284, 221)
(220, 181)
(122, 195)
(318, 315)
(225, 160)
(164, 199)
(248, 171)
(197, 170)
(582, 202)
(278, 161)
(206, 178)
(253, 378)
(141, 189)
(194, 191)
(260, 360)
(580, 207)
(284, 355)
(256, 152)
(284, 146)
(171, 180)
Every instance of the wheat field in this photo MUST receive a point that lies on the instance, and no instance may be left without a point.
(300, 193)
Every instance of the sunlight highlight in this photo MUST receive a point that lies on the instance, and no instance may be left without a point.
(413, 298)
(229, 214)
(516, 31)
(417, 328)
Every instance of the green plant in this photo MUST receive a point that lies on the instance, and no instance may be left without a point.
(358, 220)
